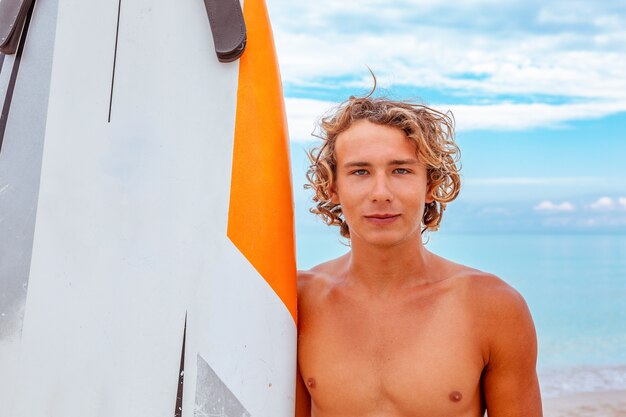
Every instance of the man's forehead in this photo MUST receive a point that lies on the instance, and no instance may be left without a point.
(368, 144)
(365, 131)
(364, 127)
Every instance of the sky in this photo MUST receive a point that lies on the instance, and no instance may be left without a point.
(537, 89)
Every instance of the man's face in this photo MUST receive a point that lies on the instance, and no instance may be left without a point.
(380, 184)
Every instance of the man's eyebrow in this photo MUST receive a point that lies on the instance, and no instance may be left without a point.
(356, 164)
(403, 162)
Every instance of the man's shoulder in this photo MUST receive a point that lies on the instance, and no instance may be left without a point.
(494, 294)
(482, 287)
(500, 309)
(321, 277)
(489, 294)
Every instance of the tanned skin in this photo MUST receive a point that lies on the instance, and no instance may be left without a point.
(393, 330)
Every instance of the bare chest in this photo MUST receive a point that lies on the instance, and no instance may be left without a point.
(418, 358)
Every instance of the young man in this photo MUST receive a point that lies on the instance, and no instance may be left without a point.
(391, 329)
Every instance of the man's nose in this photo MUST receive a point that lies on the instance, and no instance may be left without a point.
(381, 190)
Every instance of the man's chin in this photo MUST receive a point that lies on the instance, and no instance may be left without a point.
(386, 239)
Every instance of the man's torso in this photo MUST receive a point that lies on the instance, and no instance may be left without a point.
(420, 352)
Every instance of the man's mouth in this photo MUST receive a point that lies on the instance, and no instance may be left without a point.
(382, 218)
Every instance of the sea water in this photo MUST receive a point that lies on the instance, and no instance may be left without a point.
(575, 287)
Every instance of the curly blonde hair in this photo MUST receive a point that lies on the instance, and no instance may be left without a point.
(430, 130)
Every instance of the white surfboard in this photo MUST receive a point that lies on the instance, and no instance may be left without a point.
(147, 261)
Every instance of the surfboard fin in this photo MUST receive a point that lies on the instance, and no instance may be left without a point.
(12, 18)
(228, 28)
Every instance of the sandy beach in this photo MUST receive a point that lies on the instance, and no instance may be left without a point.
(592, 404)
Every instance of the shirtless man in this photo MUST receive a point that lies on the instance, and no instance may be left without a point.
(391, 329)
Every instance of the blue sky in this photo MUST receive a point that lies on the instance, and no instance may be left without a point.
(538, 90)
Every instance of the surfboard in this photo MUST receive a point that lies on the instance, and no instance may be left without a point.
(147, 260)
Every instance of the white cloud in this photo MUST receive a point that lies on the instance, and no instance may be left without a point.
(575, 55)
(622, 202)
(302, 114)
(603, 203)
(508, 116)
(548, 206)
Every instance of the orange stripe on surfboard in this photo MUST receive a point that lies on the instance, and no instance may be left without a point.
(260, 217)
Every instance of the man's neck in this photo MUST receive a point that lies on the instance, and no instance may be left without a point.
(383, 270)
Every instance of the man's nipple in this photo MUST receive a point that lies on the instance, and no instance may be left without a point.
(310, 382)
(455, 396)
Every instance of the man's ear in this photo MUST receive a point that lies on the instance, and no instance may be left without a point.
(334, 198)
(430, 195)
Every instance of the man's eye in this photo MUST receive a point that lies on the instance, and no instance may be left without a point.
(360, 172)
(401, 171)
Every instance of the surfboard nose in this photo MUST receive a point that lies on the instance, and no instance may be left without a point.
(260, 218)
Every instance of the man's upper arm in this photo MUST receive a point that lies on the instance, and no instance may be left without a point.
(510, 385)
(303, 399)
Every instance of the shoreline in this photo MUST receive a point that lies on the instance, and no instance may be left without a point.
(587, 404)
(570, 381)
(584, 391)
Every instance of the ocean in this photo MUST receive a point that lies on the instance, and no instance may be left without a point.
(575, 287)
